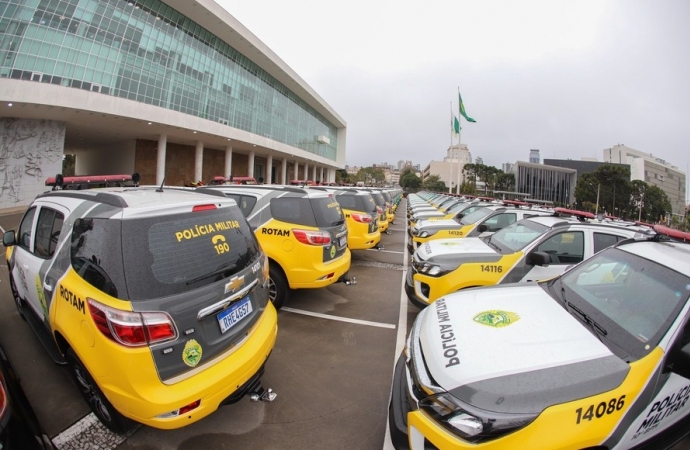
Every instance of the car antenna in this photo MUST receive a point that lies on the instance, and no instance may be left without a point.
(160, 189)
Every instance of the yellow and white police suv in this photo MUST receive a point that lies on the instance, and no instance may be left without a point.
(361, 215)
(456, 211)
(597, 358)
(489, 218)
(303, 232)
(155, 297)
(528, 250)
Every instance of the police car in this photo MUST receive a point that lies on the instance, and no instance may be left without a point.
(155, 297)
(528, 250)
(480, 220)
(434, 204)
(303, 232)
(455, 210)
(361, 214)
(596, 358)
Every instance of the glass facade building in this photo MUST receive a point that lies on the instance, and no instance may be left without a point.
(554, 184)
(148, 52)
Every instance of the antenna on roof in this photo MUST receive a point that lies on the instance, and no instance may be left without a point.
(160, 189)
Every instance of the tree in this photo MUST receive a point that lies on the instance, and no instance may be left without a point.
(505, 181)
(435, 184)
(656, 205)
(409, 180)
(341, 176)
(609, 182)
(68, 165)
(371, 175)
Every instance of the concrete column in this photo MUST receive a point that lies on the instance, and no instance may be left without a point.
(228, 161)
(283, 171)
(321, 176)
(269, 169)
(250, 164)
(160, 159)
(296, 171)
(306, 171)
(199, 161)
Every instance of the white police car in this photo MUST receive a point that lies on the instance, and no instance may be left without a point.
(596, 358)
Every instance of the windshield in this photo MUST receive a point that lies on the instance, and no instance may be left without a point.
(475, 216)
(518, 235)
(633, 299)
(458, 207)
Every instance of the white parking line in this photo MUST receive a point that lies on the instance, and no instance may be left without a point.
(339, 319)
(384, 251)
(399, 343)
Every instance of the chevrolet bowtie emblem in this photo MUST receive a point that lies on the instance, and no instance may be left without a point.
(234, 284)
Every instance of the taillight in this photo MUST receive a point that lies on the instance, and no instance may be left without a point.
(132, 329)
(312, 237)
(180, 411)
(4, 401)
(363, 218)
(199, 208)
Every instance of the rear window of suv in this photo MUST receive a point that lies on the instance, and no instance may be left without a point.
(308, 211)
(357, 202)
(140, 259)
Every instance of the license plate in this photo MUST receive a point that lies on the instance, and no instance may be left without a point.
(342, 241)
(232, 316)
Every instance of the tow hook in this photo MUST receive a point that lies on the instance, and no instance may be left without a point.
(348, 280)
(261, 394)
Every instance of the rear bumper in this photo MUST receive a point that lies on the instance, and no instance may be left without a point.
(320, 274)
(216, 384)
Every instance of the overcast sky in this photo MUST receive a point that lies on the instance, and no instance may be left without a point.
(567, 78)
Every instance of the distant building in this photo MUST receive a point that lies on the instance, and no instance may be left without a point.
(581, 166)
(652, 170)
(479, 160)
(507, 167)
(543, 182)
(534, 156)
(450, 169)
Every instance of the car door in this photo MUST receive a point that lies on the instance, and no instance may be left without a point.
(39, 233)
(665, 402)
(564, 248)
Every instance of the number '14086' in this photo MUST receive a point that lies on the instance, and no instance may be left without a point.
(600, 410)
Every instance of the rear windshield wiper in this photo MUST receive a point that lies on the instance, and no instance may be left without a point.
(229, 269)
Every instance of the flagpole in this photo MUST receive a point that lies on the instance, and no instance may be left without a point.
(452, 124)
(457, 184)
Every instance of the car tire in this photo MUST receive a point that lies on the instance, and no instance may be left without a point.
(278, 288)
(17, 300)
(95, 398)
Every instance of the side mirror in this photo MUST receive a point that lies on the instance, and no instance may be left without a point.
(9, 239)
(482, 228)
(539, 259)
(681, 362)
(135, 178)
